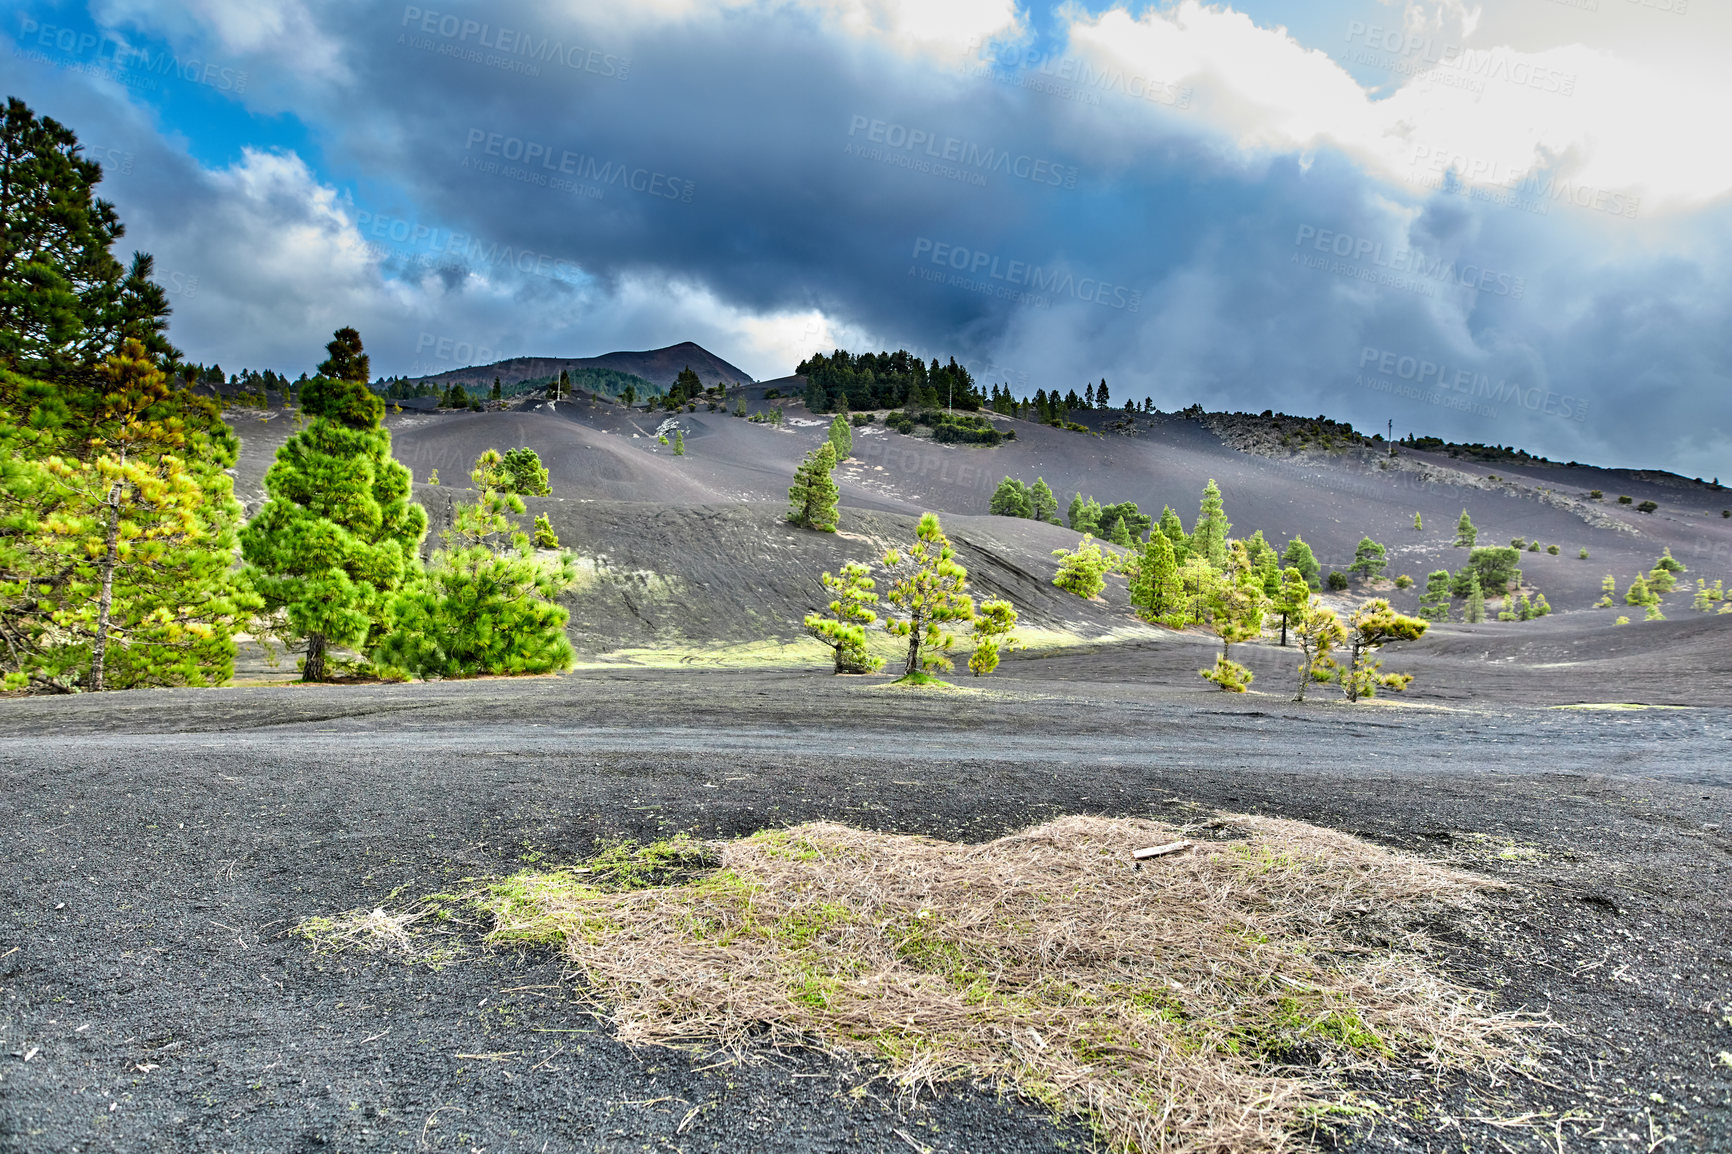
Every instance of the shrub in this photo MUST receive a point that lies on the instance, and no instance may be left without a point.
(545, 537)
(861, 420)
(1518, 542)
(1535, 547)
(1624, 500)
(1552, 549)
(772, 394)
(1647, 506)
(1583, 554)
(1404, 582)
(1595, 494)
(1081, 571)
(1337, 581)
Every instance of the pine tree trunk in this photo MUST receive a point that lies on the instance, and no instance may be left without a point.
(314, 670)
(913, 653)
(105, 602)
(1283, 631)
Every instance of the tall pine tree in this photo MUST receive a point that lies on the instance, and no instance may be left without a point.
(338, 533)
(1209, 535)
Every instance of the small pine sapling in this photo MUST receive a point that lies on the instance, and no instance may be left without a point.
(679, 443)
(1418, 524)
(992, 634)
(1369, 559)
(545, 537)
(1473, 612)
(1465, 533)
(844, 631)
(1608, 588)
(1434, 602)
(433, 477)
(1318, 632)
(1583, 555)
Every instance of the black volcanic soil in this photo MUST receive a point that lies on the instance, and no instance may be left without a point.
(158, 845)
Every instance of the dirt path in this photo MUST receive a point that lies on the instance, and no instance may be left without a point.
(150, 874)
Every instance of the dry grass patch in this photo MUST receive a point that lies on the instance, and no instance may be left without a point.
(1210, 1001)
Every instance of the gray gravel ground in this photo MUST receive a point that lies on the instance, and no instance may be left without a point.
(158, 845)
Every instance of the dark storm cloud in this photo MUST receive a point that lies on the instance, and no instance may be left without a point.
(1059, 235)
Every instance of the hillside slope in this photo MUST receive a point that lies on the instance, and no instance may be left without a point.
(660, 366)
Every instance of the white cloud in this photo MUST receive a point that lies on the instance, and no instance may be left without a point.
(1495, 112)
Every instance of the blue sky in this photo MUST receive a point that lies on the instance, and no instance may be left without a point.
(1504, 226)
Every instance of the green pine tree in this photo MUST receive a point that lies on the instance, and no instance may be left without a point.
(992, 632)
(1209, 535)
(1082, 570)
(812, 499)
(1418, 524)
(1474, 611)
(841, 436)
(484, 605)
(1041, 498)
(1290, 600)
(929, 587)
(1318, 632)
(1369, 559)
(1236, 610)
(679, 443)
(338, 533)
(1434, 602)
(1465, 534)
(1371, 627)
(844, 631)
(1154, 592)
(1174, 531)
(1121, 534)
(545, 537)
(1299, 556)
(1011, 499)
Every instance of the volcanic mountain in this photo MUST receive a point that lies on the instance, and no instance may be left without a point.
(658, 366)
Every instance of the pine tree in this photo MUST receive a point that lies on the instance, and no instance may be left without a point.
(345, 360)
(813, 497)
(497, 393)
(1299, 556)
(488, 472)
(1082, 570)
(484, 605)
(1290, 599)
(1369, 559)
(1371, 627)
(1174, 531)
(1465, 534)
(1045, 505)
(1639, 593)
(1318, 632)
(118, 532)
(338, 533)
(433, 478)
(1011, 499)
(1154, 592)
(992, 632)
(844, 631)
(1474, 611)
(545, 537)
(1418, 524)
(1236, 610)
(1434, 602)
(1608, 589)
(841, 436)
(1209, 536)
(929, 588)
(679, 443)
(1121, 534)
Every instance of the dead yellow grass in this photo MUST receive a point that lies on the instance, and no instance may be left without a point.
(1209, 1001)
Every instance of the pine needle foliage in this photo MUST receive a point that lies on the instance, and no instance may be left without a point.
(1082, 571)
(1371, 627)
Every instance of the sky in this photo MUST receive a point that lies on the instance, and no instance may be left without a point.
(1503, 224)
